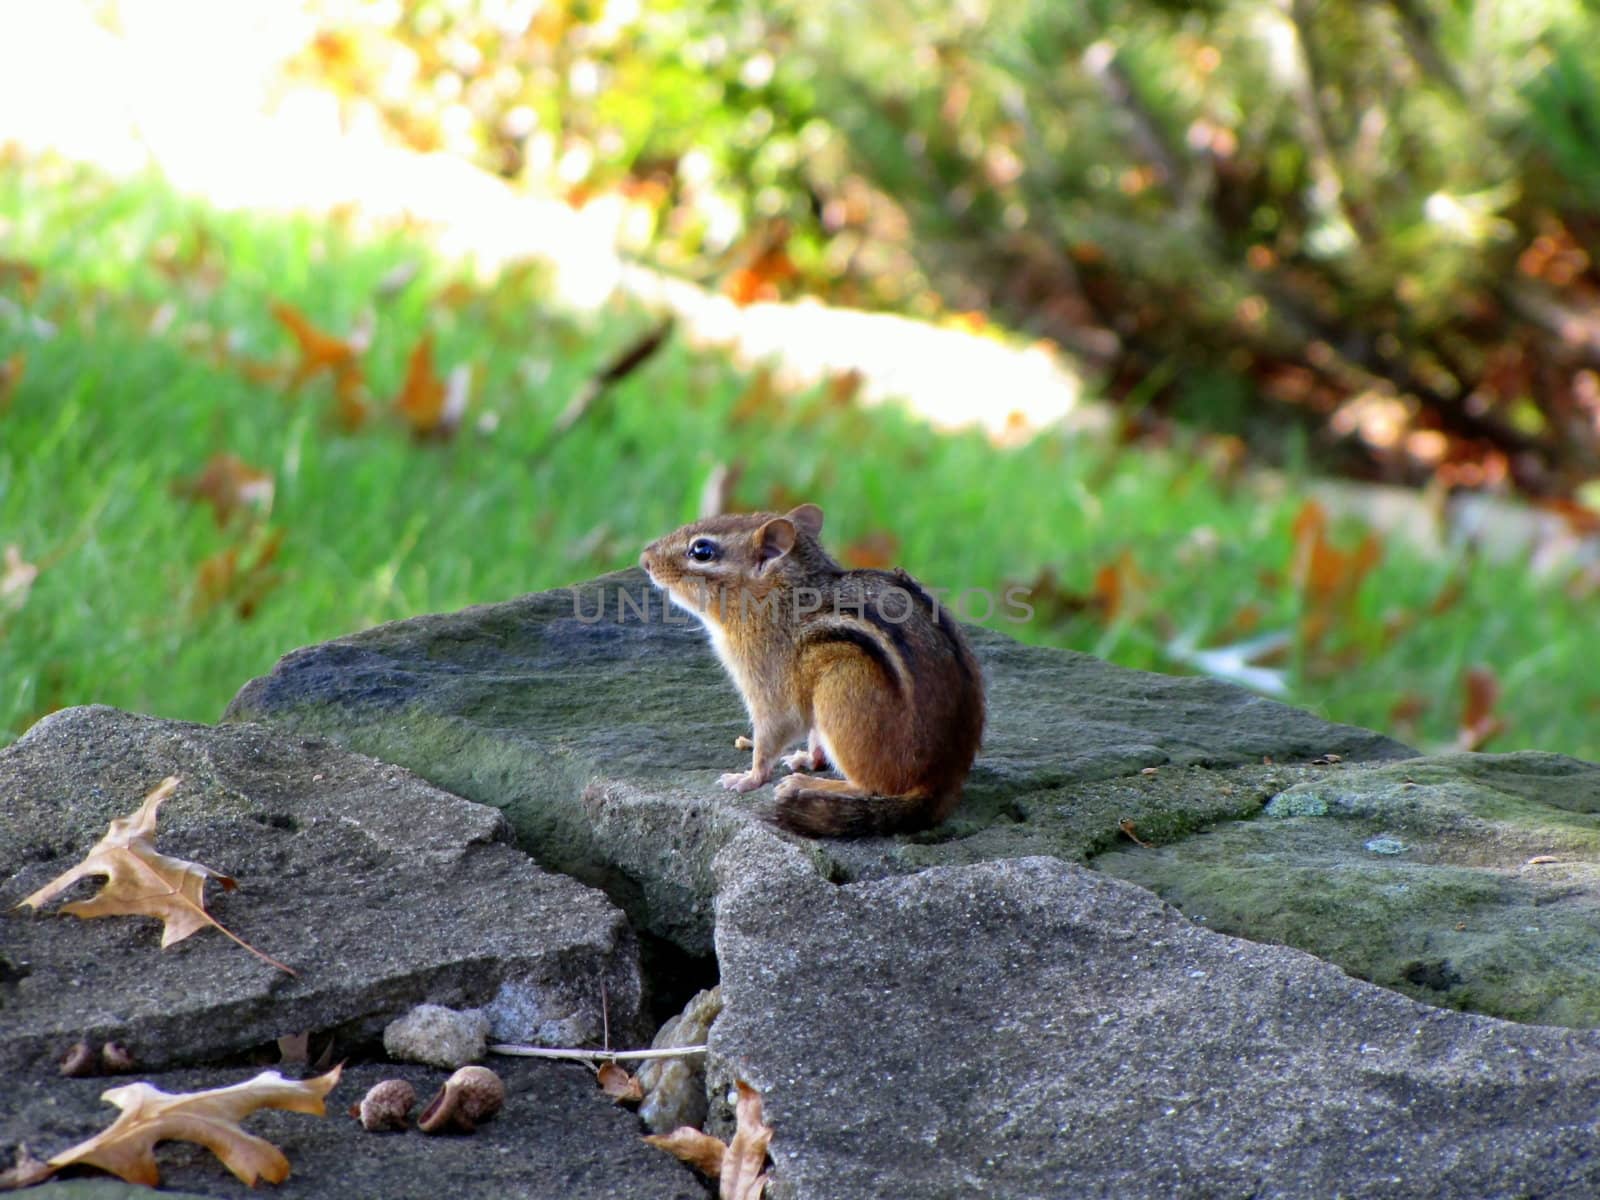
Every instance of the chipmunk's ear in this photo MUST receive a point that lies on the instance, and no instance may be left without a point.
(774, 540)
(807, 519)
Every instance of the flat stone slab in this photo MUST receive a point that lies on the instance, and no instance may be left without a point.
(556, 1136)
(1030, 1028)
(598, 720)
(1471, 880)
(378, 889)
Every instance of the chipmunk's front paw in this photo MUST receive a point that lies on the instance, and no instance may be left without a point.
(742, 781)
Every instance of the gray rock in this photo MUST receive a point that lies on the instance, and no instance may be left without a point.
(1471, 880)
(598, 720)
(105, 1187)
(438, 1036)
(675, 1088)
(378, 889)
(1031, 1028)
(557, 1135)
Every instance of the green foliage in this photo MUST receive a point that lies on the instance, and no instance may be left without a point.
(159, 321)
(1325, 201)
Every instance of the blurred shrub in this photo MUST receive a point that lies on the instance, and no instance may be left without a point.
(1379, 218)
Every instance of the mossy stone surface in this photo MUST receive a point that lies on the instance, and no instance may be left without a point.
(597, 719)
(1468, 880)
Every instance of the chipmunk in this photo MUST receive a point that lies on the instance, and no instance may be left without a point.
(864, 664)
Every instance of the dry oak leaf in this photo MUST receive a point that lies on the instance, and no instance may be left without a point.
(209, 1118)
(430, 406)
(742, 1174)
(737, 1167)
(688, 1145)
(228, 484)
(143, 882)
(340, 357)
(421, 399)
(618, 1084)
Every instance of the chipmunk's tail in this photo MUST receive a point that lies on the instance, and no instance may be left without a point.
(833, 808)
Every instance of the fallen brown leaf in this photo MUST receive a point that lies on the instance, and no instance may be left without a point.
(229, 485)
(319, 351)
(209, 1118)
(700, 1150)
(618, 1084)
(1118, 584)
(738, 1167)
(743, 1177)
(1329, 578)
(339, 357)
(421, 400)
(1478, 720)
(143, 882)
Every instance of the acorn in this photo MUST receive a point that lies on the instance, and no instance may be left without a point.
(470, 1096)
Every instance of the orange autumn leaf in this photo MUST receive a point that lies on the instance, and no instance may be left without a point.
(1478, 720)
(228, 484)
(319, 351)
(1327, 577)
(210, 1119)
(618, 1084)
(143, 882)
(421, 399)
(759, 280)
(1117, 583)
(431, 406)
(738, 1167)
(1325, 573)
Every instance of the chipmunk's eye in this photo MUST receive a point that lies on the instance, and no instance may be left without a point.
(704, 550)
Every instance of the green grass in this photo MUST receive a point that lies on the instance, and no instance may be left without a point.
(124, 398)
